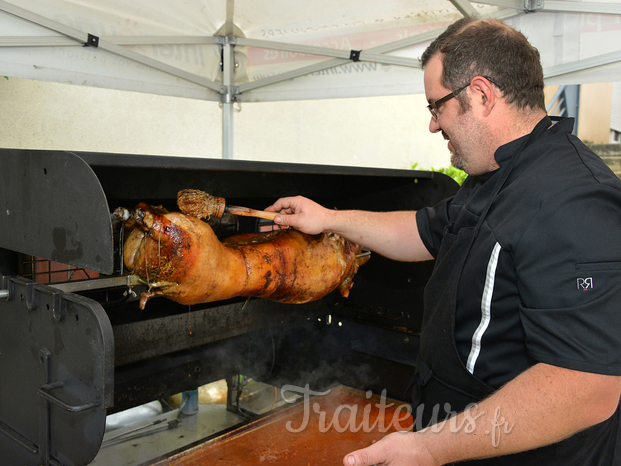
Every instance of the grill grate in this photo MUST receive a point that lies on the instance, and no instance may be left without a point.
(45, 271)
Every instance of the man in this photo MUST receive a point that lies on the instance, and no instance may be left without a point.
(520, 340)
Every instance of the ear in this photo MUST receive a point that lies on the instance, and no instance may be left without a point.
(484, 93)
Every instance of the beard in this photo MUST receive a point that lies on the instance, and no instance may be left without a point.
(468, 159)
(457, 160)
(464, 147)
(467, 144)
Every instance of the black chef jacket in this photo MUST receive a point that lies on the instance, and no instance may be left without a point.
(542, 281)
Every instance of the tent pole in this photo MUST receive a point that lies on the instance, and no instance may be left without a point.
(228, 71)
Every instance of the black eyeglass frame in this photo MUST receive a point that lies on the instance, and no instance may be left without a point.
(435, 104)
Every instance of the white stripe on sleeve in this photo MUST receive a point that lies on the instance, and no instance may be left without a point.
(486, 309)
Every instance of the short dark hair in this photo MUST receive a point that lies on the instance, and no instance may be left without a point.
(472, 47)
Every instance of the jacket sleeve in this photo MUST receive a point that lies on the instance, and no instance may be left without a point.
(568, 265)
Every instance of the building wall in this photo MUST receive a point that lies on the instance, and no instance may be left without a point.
(594, 113)
(390, 132)
(372, 132)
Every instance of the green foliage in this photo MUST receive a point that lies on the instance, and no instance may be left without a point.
(458, 175)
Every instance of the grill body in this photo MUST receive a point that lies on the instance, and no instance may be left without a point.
(75, 347)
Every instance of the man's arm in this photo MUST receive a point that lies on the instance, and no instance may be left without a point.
(543, 405)
(391, 234)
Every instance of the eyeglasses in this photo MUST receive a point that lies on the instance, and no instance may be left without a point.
(434, 105)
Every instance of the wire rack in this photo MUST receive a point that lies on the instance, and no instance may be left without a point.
(46, 271)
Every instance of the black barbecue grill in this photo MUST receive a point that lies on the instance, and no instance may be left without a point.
(75, 347)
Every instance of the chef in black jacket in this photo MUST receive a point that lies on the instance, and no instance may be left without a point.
(520, 356)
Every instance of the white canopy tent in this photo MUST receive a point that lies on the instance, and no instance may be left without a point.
(231, 51)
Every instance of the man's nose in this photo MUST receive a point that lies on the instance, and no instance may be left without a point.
(434, 127)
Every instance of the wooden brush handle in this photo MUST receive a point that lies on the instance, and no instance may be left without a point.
(246, 212)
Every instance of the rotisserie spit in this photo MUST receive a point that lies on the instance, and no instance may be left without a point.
(180, 257)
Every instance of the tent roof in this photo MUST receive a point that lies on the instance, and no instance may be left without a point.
(227, 50)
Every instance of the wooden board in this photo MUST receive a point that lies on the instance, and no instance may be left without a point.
(321, 430)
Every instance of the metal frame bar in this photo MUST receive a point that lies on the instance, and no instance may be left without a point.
(41, 41)
(599, 8)
(163, 40)
(340, 57)
(464, 7)
(228, 76)
(43, 21)
(59, 41)
(327, 52)
(368, 55)
(375, 54)
(584, 64)
(82, 38)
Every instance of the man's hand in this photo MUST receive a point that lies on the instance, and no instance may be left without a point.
(391, 234)
(543, 405)
(396, 449)
(300, 213)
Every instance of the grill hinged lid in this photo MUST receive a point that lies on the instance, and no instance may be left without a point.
(53, 206)
(57, 366)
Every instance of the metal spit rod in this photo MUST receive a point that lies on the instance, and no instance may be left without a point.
(96, 284)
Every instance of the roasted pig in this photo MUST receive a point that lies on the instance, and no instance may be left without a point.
(180, 257)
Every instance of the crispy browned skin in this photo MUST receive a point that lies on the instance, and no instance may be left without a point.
(181, 258)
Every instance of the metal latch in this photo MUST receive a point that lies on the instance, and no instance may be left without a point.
(533, 5)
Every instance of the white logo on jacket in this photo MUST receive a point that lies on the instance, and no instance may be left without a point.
(585, 283)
